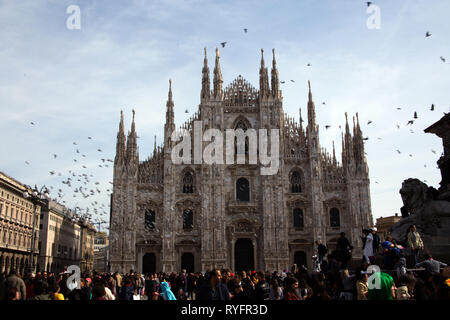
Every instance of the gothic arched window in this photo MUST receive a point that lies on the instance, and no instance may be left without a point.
(296, 186)
(334, 218)
(149, 219)
(298, 218)
(188, 183)
(242, 190)
(241, 125)
(188, 219)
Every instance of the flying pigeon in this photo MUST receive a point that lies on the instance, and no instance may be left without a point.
(369, 122)
(32, 123)
(410, 122)
(443, 59)
(223, 44)
(369, 3)
(428, 34)
(432, 107)
(415, 115)
(245, 30)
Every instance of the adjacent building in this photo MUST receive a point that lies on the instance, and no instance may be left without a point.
(17, 214)
(101, 252)
(383, 225)
(65, 239)
(198, 216)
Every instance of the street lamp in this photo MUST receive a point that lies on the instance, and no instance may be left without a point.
(36, 196)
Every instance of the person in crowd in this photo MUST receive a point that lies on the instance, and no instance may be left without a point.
(290, 291)
(386, 290)
(369, 256)
(238, 294)
(55, 293)
(362, 289)
(376, 240)
(262, 288)
(431, 265)
(166, 292)
(405, 287)
(321, 251)
(276, 292)
(13, 281)
(247, 285)
(98, 291)
(213, 288)
(344, 250)
(415, 242)
(40, 290)
(348, 285)
(127, 289)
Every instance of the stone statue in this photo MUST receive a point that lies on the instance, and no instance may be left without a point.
(424, 210)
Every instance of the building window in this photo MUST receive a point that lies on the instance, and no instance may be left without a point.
(241, 125)
(298, 218)
(188, 183)
(242, 190)
(296, 186)
(149, 219)
(188, 219)
(334, 218)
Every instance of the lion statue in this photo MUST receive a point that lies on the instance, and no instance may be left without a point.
(425, 211)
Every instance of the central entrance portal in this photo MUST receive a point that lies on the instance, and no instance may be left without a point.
(187, 262)
(244, 255)
(149, 263)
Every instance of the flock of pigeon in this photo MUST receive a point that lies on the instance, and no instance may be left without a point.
(81, 185)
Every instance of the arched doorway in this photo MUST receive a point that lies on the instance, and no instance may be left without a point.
(300, 258)
(149, 263)
(244, 255)
(187, 262)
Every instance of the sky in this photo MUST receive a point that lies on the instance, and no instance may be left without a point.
(72, 83)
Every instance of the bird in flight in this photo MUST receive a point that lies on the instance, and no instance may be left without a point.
(369, 122)
(410, 122)
(99, 150)
(245, 30)
(223, 44)
(55, 156)
(365, 139)
(89, 137)
(327, 127)
(398, 151)
(292, 81)
(75, 143)
(415, 115)
(369, 3)
(428, 34)
(398, 127)
(399, 108)
(443, 59)
(308, 65)
(433, 151)
(187, 111)
(32, 123)
(27, 162)
(432, 107)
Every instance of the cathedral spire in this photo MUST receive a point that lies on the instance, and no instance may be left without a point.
(169, 105)
(218, 80)
(301, 120)
(121, 140)
(311, 108)
(275, 80)
(169, 126)
(206, 90)
(131, 151)
(264, 90)
(334, 155)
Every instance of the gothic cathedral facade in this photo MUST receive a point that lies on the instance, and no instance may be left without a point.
(196, 216)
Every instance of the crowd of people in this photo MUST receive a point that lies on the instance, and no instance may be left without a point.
(330, 279)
